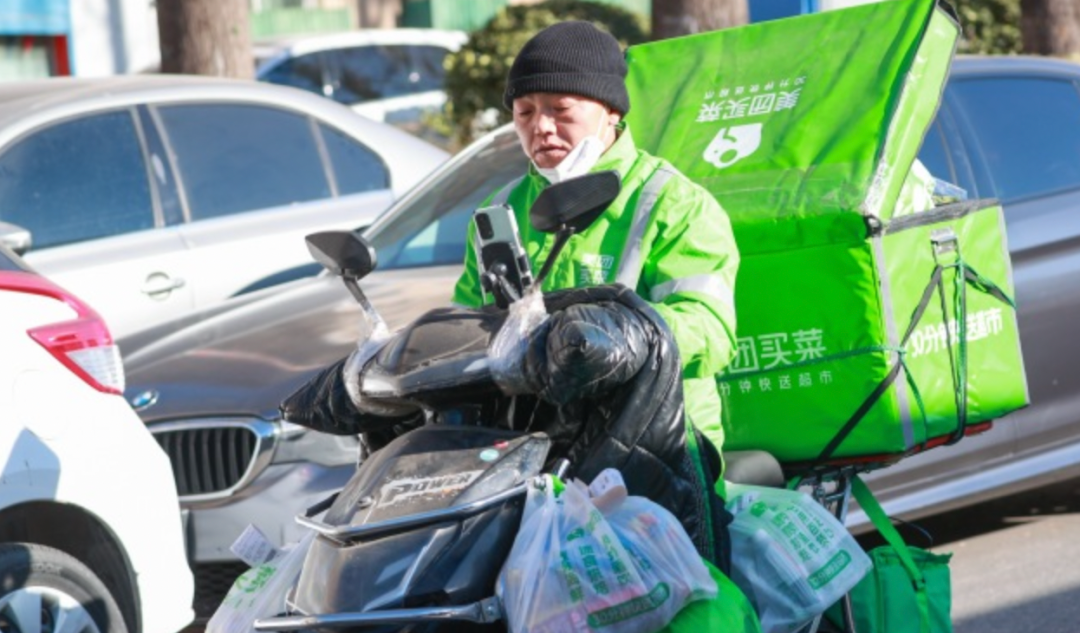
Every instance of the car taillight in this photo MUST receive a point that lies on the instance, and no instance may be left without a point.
(83, 344)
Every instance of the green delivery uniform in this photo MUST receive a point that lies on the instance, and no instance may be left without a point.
(664, 236)
(669, 239)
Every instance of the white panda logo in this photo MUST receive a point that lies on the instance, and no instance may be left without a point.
(732, 144)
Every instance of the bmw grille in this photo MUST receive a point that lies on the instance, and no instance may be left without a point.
(215, 458)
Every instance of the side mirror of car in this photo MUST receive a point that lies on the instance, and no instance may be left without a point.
(571, 207)
(15, 237)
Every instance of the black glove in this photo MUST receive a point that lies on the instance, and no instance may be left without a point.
(585, 350)
(323, 404)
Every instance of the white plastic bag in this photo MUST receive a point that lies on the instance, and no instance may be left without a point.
(917, 191)
(506, 353)
(791, 557)
(575, 568)
(260, 591)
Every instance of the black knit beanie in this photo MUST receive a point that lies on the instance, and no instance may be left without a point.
(574, 58)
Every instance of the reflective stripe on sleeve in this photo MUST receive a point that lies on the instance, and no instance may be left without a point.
(631, 261)
(712, 285)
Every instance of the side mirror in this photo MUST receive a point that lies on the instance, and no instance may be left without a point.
(15, 237)
(576, 203)
(571, 207)
(350, 257)
(343, 253)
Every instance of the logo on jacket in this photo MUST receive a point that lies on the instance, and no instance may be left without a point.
(594, 269)
(732, 144)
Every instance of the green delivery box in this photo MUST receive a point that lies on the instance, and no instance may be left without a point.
(863, 329)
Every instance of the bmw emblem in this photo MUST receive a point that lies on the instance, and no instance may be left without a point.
(144, 400)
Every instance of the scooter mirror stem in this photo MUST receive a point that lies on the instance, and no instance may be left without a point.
(562, 236)
(358, 294)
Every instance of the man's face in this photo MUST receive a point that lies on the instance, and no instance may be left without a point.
(550, 124)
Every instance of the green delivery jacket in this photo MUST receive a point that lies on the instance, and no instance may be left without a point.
(680, 255)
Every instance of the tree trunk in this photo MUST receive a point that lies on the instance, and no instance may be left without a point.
(1050, 27)
(379, 14)
(672, 18)
(205, 37)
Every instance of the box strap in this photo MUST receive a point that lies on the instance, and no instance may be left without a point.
(966, 275)
(957, 366)
(886, 382)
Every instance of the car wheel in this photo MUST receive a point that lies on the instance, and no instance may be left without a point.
(47, 591)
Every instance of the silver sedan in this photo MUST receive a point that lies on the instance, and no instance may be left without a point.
(152, 196)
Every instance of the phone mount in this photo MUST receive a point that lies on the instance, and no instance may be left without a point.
(564, 209)
(496, 283)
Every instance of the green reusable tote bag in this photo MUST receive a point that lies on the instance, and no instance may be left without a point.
(909, 590)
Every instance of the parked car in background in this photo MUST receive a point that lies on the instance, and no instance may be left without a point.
(91, 538)
(210, 392)
(391, 75)
(150, 196)
(222, 380)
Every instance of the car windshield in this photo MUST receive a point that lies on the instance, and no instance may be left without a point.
(431, 227)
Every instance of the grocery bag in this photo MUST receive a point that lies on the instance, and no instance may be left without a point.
(260, 591)
(909, 590)
(790, 556)
(573, 567)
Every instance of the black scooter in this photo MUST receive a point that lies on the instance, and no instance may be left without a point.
(417, 537)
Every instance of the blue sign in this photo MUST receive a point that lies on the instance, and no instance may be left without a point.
(762, 10)
(35, 17)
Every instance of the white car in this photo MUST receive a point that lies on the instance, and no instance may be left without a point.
(150, 196)
(391, 75)
(91, 534)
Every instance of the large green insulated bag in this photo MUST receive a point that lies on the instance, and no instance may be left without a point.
(864, 329)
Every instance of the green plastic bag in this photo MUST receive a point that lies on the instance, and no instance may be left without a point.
(908, 590)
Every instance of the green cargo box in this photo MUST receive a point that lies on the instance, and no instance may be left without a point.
(820, 371)
(855, 336)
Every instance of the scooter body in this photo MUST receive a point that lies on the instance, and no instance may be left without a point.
(427, 521)
(417, 537)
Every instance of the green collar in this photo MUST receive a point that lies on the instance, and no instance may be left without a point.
(622, 154)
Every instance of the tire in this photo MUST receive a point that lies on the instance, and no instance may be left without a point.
(55, 588)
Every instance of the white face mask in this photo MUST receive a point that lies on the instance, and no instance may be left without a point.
(580, 159)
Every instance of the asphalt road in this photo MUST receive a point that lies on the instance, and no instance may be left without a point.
(1016, 562)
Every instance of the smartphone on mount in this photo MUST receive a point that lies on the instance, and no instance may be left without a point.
(505, 270)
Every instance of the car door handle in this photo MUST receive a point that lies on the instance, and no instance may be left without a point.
(159, 283)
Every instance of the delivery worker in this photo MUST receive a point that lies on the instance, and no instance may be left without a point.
(664, 236)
